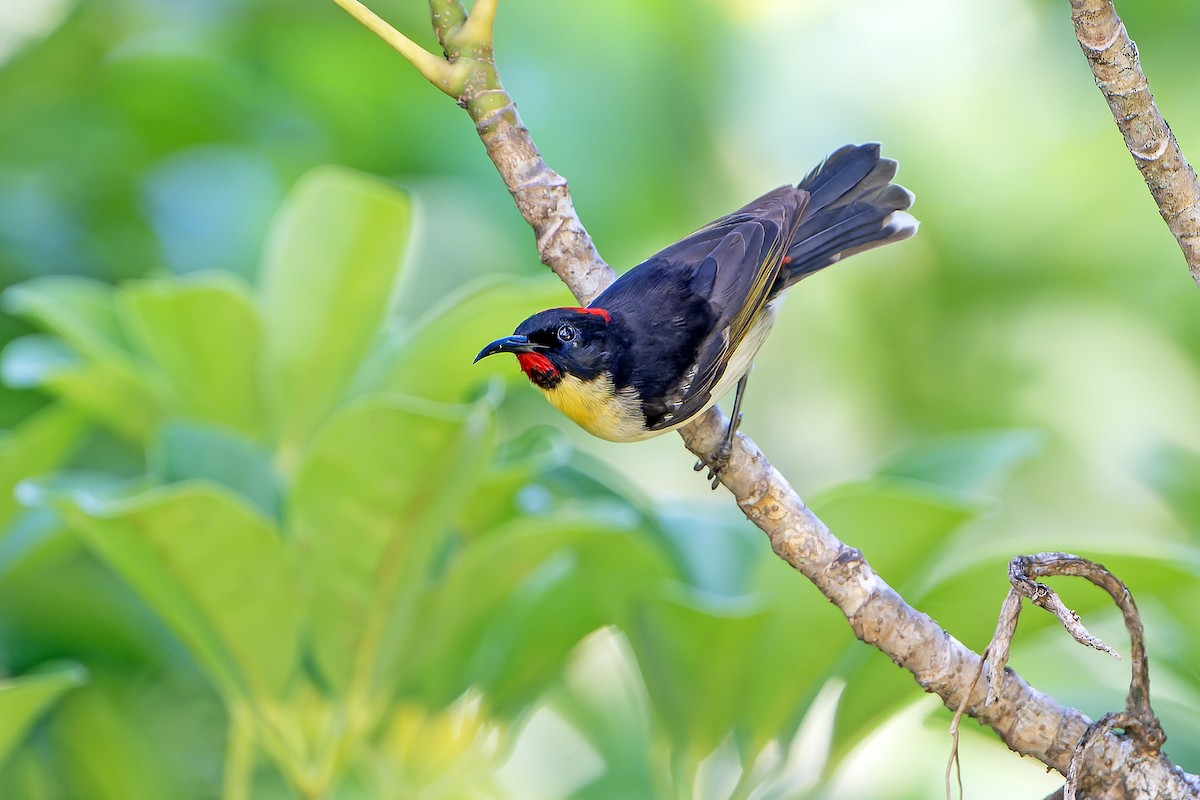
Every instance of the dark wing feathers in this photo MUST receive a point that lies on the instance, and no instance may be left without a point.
(684, 310)
(846, 168)
(728, 268)
(854, 206)
(657, 319)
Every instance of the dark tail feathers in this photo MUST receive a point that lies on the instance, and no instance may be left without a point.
(854, 206)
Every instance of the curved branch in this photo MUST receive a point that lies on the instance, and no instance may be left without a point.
(1113, 58)
(1028, 721)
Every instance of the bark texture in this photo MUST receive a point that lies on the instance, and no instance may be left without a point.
(1113, 57)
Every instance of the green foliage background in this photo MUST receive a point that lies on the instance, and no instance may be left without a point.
(267, 533)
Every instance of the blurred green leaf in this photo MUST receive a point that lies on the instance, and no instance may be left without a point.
(93, 374)
(80, 310)
(33, 540)
(513, 604)
(799, 644)
(724, 556)
(104, 753)
(331, 262)
(38, 444)
(213, 568)
(897, 523)
(186, 451)
(671, 636)
(204, 333)
(1175, 473)
(433, 359)
(370, 498)
(518, 463)
(24, 699)
(29, 361)
(876, 690)
(121, 635)
(717, 550)
(603, 696)
(113, 394)
(971, 463)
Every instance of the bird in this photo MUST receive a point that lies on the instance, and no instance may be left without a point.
(673, 335)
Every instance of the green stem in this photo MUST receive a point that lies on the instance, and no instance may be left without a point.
(448, 76)
(239, 755)
(271, 728)
(446, 16)
(476, 31)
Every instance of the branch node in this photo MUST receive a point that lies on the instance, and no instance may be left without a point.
(551, 230)
(1155, 154)
(447, 76)
(1118, 33)
(489, 118)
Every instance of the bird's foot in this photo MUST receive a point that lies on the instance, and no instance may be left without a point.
(718, 459)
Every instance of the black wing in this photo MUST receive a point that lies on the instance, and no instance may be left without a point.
(684, 310)
(854, 206)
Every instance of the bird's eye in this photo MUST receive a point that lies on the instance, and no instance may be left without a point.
(566, 333)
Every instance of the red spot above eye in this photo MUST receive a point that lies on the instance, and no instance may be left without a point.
(599, 312)
(536, 362)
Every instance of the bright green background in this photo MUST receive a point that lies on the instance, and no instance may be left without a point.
(231, 563)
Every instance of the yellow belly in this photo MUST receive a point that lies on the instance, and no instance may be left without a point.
(599, 410)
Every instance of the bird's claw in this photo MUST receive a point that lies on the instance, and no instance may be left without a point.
(715, 466)
(718, 460)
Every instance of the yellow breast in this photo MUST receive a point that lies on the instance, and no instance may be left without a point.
(600, 410)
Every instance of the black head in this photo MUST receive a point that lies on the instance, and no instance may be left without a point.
(558, 342)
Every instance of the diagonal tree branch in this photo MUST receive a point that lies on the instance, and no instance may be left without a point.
(1113, 57)
(1028, 721)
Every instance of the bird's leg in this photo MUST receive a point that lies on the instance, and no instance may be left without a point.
(719, 458)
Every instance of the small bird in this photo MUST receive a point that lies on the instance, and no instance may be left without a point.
(674, 334)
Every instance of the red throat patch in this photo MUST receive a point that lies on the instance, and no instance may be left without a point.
(599, 312)
(535, 362)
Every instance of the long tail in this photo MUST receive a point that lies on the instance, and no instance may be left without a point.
(854, 206)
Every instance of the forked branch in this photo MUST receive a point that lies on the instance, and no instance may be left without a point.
(541, 194)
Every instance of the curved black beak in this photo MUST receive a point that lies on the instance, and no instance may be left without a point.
(509, 344)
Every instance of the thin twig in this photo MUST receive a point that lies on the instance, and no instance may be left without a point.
(441, 73)
(1021, 571)
(1140, 721)
(954, 761)
(1001, 644)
